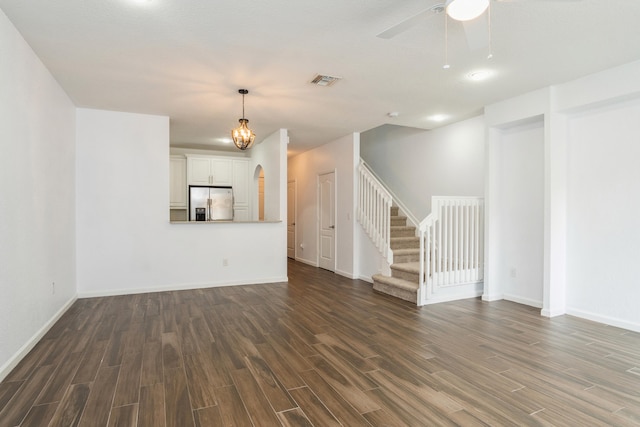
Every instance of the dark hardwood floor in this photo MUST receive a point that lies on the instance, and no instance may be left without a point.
(321, 350)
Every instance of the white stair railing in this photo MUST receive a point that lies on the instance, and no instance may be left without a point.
(374, 210)
(451, 244)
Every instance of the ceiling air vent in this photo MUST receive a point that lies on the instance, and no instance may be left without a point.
(321, 80)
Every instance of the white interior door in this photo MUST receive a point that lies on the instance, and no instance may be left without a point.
(327, 222)
(291, 219)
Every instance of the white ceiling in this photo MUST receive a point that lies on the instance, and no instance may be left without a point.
(187, 59)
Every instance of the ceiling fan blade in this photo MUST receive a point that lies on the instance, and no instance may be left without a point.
(477, 33)
(406, 24)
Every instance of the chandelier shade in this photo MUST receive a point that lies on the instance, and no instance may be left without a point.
(242, 136)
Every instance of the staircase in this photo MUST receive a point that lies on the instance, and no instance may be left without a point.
(405, 270)
(440, 260)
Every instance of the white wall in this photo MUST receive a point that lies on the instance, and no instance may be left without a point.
(271, 154)
(37, 196)
(417, 164)
(603, 212)
(521, 203)
(340, 156)
(591, 198)
(124, 239)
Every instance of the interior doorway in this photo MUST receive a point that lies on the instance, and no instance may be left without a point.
(261, 195)
(327, 223)
(291, 219)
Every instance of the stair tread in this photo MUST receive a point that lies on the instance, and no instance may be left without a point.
(405, 239)
(406, 251)
(409, 267)
(403, 227)
(394, 281)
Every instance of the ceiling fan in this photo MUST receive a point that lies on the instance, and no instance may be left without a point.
(460, 10)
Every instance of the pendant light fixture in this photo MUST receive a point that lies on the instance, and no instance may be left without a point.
(242, 136)
(466, 10)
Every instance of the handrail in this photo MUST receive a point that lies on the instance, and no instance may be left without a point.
(411, 218)
(374, 210)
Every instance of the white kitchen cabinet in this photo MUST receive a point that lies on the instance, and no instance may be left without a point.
(178, 182)
(199, 170)
(241, 213)
(203, 170)
(241, 189)
(221, 172)
(241, 181)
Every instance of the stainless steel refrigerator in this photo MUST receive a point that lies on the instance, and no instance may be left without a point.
(210, 203)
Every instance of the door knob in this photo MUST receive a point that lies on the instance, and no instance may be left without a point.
(332, 226)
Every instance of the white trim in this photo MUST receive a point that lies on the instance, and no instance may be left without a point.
(611, 321)
(31, 343)
(520, 300)
(306, 261)
(181, 287)
(346, 274)
(545, 312)
(490, 298)
(453, 297)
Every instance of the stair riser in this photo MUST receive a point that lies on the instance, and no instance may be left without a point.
(403, 232)
(404, 275)
(394, 210)
(396, 292)
(398, 221)
(397, 259)
(405, 244)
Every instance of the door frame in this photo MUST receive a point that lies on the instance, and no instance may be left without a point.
(335, 216)
(295, 217)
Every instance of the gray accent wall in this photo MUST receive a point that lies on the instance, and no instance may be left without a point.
(417, 164)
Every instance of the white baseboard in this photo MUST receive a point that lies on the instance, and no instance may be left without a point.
(452, 297)
(345, 274)
(612, 321)
(305, 261)
(28, 346)
(180, 287)
(493, 297)
(552, 313)
(521, 300)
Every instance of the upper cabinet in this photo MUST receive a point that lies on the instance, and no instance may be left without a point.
(178, 182)
(209, 171)
(241, 210)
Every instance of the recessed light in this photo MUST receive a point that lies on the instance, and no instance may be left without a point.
(479, 75)
(438, 117)
(393, 114)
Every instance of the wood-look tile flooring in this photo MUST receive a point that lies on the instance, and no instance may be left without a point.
(321, 350)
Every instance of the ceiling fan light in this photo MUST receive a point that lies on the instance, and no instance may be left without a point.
(466, 10)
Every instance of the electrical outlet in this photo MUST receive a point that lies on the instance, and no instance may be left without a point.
(53, 288)
(513, 272)
(225, 262)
